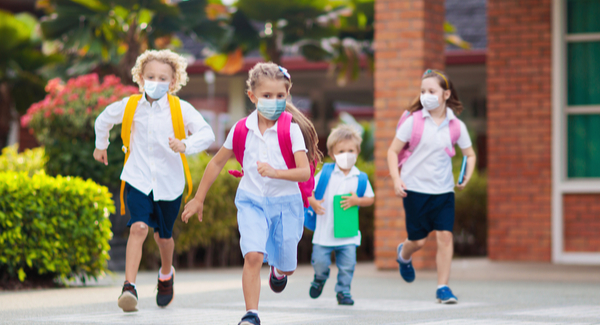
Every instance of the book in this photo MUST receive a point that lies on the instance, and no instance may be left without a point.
(463, 169)
(345, 222)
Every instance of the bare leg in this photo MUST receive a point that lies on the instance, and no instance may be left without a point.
(410, 247)
(166, 247)
(133, 255)
(444, 256)
(251, 279)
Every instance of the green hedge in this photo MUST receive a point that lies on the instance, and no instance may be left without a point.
(29, 161)
(53, 226)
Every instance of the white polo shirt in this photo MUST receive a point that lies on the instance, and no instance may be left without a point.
(152, 165)
(265, 148)
(338, 184)
(429, 169)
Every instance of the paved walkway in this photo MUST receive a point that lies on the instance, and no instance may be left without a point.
(489, 293)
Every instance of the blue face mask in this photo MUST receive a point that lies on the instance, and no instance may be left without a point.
(271, 109)
(155, 89)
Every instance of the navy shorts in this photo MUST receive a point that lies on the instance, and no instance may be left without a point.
(428, 212)
(160, 215)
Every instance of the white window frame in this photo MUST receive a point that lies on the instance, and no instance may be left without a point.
(561, 184)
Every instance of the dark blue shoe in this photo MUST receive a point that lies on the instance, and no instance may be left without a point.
(250, 319)
(445, 296)
(277, 285)
(316, 288)
(406, 269)
(344, 299)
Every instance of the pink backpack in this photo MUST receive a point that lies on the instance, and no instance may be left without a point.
(417, 133)
(285, 145)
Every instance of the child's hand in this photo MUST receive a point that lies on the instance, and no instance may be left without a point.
(176, 145)
(462, 186)
(265, 170)
(349, 201)
(317, 205)
(191, 208)
(100, 155)
(399, 187)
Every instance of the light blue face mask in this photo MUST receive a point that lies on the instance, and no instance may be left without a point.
(155, 89)
(271, 109)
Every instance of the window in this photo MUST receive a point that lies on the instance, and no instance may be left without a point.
(583, 88)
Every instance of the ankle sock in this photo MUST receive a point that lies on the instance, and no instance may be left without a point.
(164, 277)
(441, 286)
(133, 284)
(278, 275)
(402, 259)
(255, 311)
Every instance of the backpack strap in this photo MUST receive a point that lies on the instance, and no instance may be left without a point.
(240, 133)
(454, 127)
(179, 130)
(417, 130)
(362, 184)
(403, 118)
(324, 180)
(130, 108)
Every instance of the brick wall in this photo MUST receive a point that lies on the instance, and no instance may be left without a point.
(409, 38)
(519, 130)
(581, 222)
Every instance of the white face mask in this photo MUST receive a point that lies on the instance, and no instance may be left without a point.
(430, 101)
(345, 160)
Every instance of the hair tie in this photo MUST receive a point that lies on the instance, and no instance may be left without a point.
(285, 72)
(441, 75)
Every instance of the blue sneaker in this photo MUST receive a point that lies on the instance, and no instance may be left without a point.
(250, 319)
(406, 269)
(445, 296)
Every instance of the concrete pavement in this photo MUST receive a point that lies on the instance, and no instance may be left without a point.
(488, 292)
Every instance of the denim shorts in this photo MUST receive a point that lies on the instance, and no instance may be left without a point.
(428, 212)
(272, 226)
(160, 215)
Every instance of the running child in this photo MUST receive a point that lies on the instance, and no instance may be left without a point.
(343, 146)
(154, 130)
(277, 148)
(426, 182)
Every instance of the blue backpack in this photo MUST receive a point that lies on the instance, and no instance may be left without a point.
(310, 217)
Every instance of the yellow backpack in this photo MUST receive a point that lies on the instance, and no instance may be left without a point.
(178, 127)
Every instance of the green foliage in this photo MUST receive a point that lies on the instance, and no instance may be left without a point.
(53, 226)
(30, 161)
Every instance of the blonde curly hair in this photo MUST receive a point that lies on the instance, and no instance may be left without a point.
(177, 62)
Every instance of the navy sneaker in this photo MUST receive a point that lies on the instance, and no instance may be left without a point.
(250, 319)
(316, 288)
(128, 299)
(406, 269)
(445, 296)
(344, 299)
(277, 285)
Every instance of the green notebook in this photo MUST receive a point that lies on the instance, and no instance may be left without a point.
(345, 222)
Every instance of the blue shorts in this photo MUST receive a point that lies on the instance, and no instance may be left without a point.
(160, 215)
(272, 226)
(428, 212)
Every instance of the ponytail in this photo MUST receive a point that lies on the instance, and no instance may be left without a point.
(311, 139)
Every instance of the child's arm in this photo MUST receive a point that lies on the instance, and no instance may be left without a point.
(393, 152)
(202, 135)
(299, 174)
(317, 205)
(213, 169)
(113, 114)
(471, 161)
(353, 200)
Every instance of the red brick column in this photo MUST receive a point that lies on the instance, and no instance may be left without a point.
(409, 38)
(519, 130)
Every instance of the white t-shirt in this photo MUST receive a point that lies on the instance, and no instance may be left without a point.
(265, 148)
(429, 169)
(338, 184)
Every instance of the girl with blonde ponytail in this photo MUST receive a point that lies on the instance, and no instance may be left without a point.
(277, 148)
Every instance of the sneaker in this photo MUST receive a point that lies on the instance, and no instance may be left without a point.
(164, 296)
(316, 288)
(344, 299)
(128, 298)
(277, 285)
(406, 269)
(250, 319)
(445, 296)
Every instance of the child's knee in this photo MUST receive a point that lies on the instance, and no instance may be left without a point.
(162, 242)
(254, 259)
(287, 273)
(444, 238)
(138, 229)
(418, 244)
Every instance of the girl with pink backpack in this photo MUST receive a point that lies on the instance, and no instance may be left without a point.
(277, 148)
(419, 160)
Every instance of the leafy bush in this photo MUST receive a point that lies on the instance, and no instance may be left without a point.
(53, 226)
(470, 225)
(30, 161)
(64, 123)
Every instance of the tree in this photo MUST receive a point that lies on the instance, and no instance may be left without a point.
(108, 35)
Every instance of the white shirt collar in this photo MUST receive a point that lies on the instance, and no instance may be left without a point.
(252, 123)
(353, 171)
(163, 102)
(449, 114)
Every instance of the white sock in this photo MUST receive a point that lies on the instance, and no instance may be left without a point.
(164, 277)
(277, 274)
(252, 311)
(441, 286)
(133, 284)
(402, 259)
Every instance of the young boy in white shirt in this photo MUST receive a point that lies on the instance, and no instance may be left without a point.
(343, 146)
